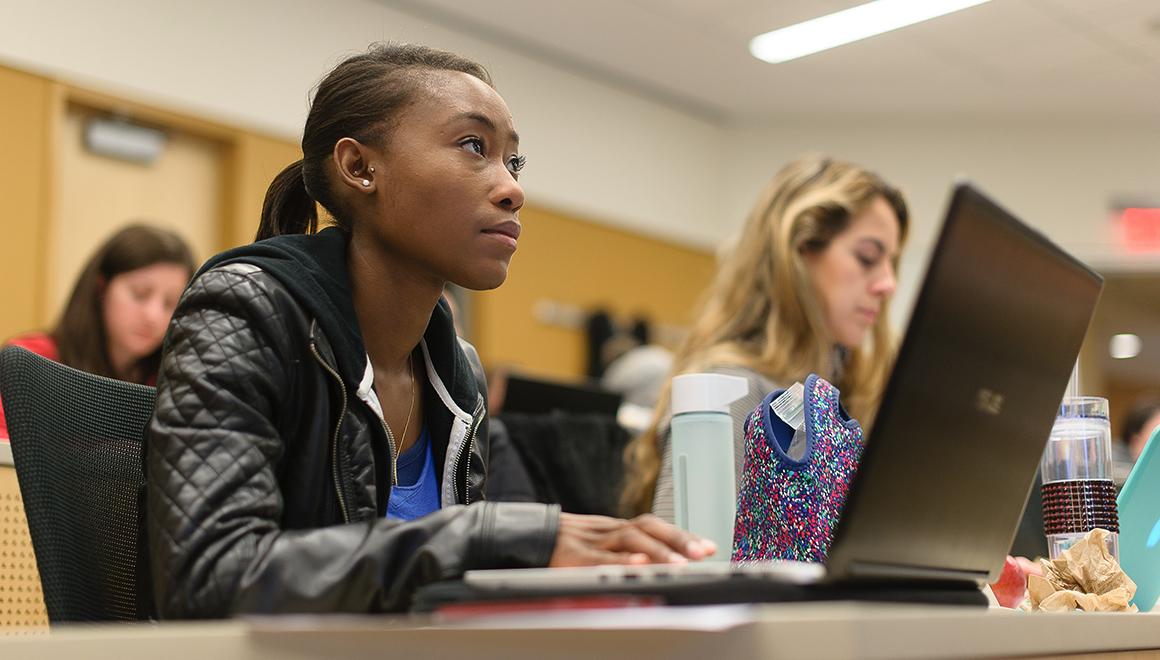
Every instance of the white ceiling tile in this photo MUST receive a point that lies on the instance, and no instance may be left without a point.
(1138, 40)
(1004, 57)
(754, 18)
(1100, 10)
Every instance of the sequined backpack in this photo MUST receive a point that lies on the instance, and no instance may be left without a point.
(788, 508)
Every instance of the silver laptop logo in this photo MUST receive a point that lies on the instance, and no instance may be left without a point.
(988, 402)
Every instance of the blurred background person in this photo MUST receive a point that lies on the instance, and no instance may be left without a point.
(639, 374)
(119, 308)
(804, 289)
(1141, 421)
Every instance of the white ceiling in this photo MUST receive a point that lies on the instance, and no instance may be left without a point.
(1006, 58)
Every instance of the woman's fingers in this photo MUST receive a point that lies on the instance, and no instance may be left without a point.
(689, 545)
(586, 540)
(603, 557)
(635, 540)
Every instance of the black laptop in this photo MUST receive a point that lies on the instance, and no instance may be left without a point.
(963, 422)
(538, 396)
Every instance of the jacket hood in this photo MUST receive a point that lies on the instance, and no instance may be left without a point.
(314, 268)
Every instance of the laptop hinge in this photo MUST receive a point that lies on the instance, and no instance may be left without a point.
(876, 571)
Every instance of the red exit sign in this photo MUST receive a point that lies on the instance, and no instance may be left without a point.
(1140, 229)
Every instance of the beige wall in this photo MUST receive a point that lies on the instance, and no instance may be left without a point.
(575, 262)
(1059, 176)
(96, 195)
(256, 160)
(61, 201)
(596, 149)
(209, 186)
(24, 114)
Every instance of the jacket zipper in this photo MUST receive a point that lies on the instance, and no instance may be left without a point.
(337, 428)
(476, 419)
(394, 449)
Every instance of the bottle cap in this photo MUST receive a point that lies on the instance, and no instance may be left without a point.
(707, 392)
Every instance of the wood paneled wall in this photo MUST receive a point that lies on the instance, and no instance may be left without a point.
(562, 258)
(567, 260)
(254, 162)
(36, 239)
(25, 118)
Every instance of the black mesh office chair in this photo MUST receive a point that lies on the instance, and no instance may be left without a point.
(76, 440)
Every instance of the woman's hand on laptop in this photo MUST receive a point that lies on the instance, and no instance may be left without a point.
(592, 540)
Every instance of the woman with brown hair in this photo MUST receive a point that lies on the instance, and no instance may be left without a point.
(804, 289)
(120, 306)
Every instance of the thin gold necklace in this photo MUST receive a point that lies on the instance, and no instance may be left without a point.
(407, 425)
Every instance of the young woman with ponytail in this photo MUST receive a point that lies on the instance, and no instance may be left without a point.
(320, 439)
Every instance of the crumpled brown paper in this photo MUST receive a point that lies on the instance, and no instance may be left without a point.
(1085, 576)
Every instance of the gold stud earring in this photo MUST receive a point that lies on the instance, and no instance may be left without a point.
(372, 170)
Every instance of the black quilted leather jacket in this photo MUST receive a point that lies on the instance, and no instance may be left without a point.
(268, 477)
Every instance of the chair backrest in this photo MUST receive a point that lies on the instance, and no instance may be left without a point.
(574, 460)
(21, 599)
(76, 440)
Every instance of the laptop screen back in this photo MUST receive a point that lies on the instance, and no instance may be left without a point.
(526, 394)
(965, 416)
(1139, 509)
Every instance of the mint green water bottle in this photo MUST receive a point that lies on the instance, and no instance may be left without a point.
(704, 481)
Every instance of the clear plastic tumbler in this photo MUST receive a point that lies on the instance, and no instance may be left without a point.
(1078, 492)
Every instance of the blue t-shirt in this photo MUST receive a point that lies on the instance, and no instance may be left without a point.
(417, 493)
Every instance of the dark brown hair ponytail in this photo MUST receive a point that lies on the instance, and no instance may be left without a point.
(358, 99)
(288, 208)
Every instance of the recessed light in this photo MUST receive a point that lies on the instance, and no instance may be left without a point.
(848, 25)
(1125, 346)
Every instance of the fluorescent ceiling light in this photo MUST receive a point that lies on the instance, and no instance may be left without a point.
(1125, 346)
(849, 25)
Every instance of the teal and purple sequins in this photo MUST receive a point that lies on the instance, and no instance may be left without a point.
(787, 508)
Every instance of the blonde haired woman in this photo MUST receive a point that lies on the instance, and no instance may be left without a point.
(804, 289)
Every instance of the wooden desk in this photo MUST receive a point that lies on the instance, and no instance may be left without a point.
(818, 630)
(799, 630)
